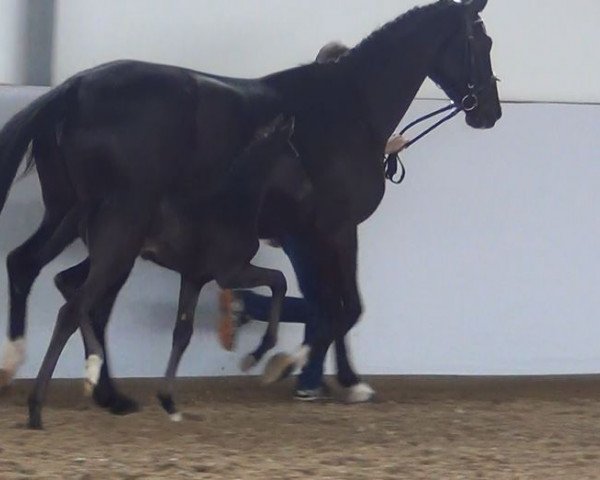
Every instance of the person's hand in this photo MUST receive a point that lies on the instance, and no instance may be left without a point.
(395, 144)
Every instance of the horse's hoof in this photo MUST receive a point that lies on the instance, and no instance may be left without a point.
(360, 393)
(168, 405)
(35, 424)
(176, 417)
(248, 362)
(113, 401)
(13, 356)
(122, 405)
(5, 379)
(280, 366)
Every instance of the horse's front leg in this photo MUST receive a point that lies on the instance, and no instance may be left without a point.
(182, 333)
(346, 249)
(252, 276)
(340, 298)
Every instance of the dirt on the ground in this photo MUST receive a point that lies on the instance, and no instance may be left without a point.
(420, 428)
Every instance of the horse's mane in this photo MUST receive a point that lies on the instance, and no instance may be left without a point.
(403, 25)
(372, 46)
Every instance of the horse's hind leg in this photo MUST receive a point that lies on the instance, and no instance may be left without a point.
(55, 233)
(184, 327)
(106, 394)
(57, 230)
(252, 276)
(115, 237)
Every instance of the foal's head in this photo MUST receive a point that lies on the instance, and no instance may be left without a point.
(463, 68)
(273, 139)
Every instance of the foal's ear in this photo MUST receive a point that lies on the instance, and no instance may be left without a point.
(281, 126)
(286, 126)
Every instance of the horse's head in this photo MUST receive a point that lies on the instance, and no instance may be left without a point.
(464, 69)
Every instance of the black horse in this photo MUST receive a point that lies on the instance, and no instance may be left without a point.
(123, 134)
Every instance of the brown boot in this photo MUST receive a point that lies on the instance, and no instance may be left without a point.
(230, 308)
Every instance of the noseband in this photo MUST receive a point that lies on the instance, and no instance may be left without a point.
(471, 100)
(468, 103)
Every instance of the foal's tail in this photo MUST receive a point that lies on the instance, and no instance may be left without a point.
(43, 113)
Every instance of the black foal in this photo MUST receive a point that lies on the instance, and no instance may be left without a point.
(203, 236)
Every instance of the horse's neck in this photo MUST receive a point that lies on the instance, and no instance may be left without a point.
(390, 66)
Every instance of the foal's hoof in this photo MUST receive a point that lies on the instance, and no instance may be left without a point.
(248, 362)
(360, 393)
(88, 388)
(280, 366)
(35, 416)
(93, 366)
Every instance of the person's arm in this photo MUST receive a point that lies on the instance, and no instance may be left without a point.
(395, 144)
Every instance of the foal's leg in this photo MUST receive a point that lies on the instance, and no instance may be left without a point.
(106, 394)
(252, 276)
(115, 238)
(184, 327)
(57, 230)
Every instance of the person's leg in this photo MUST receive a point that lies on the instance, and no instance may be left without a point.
(310, 381)
(256, 307)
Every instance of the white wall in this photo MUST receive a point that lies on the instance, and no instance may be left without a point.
(485, 260)
(12, 45)
(544, 49)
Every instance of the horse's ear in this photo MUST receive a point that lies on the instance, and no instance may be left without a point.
(478, 5)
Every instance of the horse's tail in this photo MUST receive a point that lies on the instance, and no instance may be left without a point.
(43, 113)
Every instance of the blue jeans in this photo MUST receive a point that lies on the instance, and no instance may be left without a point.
(297, 310)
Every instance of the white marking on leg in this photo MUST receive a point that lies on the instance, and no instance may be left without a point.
(176, 417)
(93, 365)
(360, 393)
(301, 356)
(13, 357)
